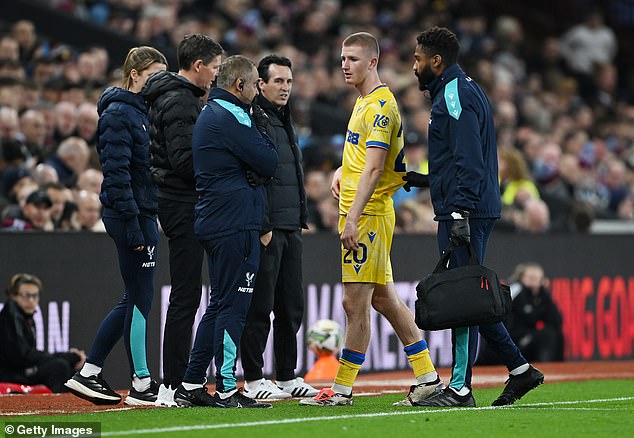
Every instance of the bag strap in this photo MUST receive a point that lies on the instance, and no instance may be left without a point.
(443, 263)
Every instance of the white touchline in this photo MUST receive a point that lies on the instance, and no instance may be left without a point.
(347, 417)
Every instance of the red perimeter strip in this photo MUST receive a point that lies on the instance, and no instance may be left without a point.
(483, 377)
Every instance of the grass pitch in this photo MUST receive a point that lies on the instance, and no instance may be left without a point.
(602, 408)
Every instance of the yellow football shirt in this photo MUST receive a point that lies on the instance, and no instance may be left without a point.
(375, 122)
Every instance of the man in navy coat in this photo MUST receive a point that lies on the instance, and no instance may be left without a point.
(227, 144)
(465, 193)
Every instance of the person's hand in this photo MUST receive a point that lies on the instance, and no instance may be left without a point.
(415, 179)
(335, 185)
(260, 118)
(82, 357)
(460, 233)
(349, 235)
(265, 239)
(254, 179)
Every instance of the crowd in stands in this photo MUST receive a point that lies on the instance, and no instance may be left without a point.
(565, 123)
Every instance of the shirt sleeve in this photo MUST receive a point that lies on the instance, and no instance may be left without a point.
(379, 121)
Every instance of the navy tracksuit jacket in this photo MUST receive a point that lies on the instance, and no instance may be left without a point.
(229, 214)
(463, 174)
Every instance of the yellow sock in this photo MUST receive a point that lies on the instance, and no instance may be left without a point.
(349, 366)
(418, 356)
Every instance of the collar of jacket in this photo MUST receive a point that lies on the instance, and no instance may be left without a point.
(219, 93)
(163, 81)
(453, 71)
(13, 307)
(117, 94)
(281, 113)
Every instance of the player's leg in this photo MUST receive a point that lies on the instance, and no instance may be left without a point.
(386, 301)
(359, 276)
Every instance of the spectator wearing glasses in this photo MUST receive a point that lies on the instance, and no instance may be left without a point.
(20, 361)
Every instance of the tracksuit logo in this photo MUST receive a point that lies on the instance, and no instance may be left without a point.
(249, 276)
(150, 253)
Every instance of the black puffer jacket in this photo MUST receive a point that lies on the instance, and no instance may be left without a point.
(286, 197)
(174, 107)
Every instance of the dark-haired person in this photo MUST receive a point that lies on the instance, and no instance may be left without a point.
(463, 180)
(129, 200)
(20, 361)
(175, 101)
(34, 215)
(226, 142)
(278, 287)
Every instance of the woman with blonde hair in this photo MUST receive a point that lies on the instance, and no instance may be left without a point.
(130, 206)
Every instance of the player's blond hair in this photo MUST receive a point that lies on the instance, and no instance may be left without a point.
(365, 40)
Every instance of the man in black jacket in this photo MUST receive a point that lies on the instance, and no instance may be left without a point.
(20, 361)
(278, 286)
(175, 101)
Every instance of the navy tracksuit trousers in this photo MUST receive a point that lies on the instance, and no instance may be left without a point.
(129, 317)
(233, 265)
(464, 340)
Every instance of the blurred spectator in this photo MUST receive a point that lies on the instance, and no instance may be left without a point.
(44, 174)
(62, 201)
(65, 121)
(33, 128)
(23, 32)
(515, 180)
(87, 119)
(90, 180)
(9, 49)
(586, 46)
(9, 124)
(20, 361)
(70, 160)
(317, 190)
(616, 184)
(88, 215)
(535, 321)
(35, 214)
(11, 90)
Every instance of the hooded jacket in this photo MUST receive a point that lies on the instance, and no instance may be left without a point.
(123, 144)
(174, 107)
(226, 143)
(463, 165)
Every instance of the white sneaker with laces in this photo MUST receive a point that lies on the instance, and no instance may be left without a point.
(165, 397)
(298, 388)
(264, 389)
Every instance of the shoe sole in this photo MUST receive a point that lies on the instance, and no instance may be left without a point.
(86, 393)
(131, 401)
(165, 404)
(313, 402)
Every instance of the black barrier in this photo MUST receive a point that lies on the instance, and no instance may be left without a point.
(593, 284)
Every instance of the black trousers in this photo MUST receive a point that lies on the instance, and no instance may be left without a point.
(278, 288)
(52, 372)
(186, 255)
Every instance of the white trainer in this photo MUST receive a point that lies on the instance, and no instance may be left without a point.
(165, 397)
(264, 389)
(298, 388)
